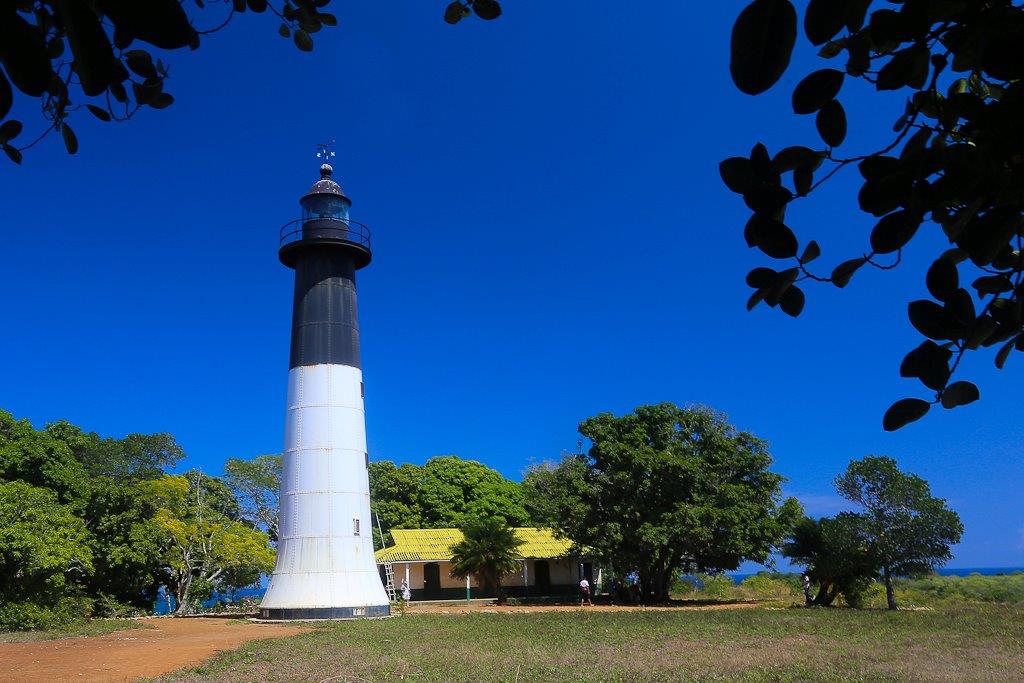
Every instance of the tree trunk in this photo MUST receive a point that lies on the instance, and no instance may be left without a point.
(890, 592)
(499, 589)
(181, 588)
(826, 594)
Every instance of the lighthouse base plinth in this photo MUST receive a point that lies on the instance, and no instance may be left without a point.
(324, 613)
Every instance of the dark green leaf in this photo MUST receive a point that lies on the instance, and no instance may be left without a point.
(755, 298)
(984, 237)
(960, 394)
(903, 412)
(101, 114)
(929, 362)
(284, 31)
(327, 19)
(816, 90)
(824, 19)
(161, 100)
(257, 6)
(771, 236)
(845, 270)
(795, 157)
(455, 12)
(487, 9)
(908, 67)
(141, 63)
(759, 278)
(811, 252)
(993, 284)
(879, 197)
(767, 200)
(942, 279)
(803, 180)
(94, 56)
(792, 301)
(932, 320)
(12, 153)
(70, 141)
(9, 130)
(831, 123)
(761, 45)
(893, 231)
(1001, 356)
(960, 307)
(737, 174)
(303, 41)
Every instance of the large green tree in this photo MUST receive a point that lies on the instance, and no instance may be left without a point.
(45, 557)
(908, 530)
(665, 489)
(487, 552)
(954, 162)
(107, 56)
(205, 547)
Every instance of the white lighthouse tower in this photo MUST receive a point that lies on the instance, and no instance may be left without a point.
(325, 565)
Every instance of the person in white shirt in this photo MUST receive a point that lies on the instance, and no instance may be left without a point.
(585, 591)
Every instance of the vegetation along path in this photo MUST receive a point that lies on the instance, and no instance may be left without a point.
(131, 654)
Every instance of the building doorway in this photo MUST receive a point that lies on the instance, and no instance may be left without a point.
(542, 577)
(431, 581)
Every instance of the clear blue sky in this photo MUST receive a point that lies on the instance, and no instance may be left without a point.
(551, 240)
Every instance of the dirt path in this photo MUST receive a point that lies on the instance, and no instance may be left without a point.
(129, 655)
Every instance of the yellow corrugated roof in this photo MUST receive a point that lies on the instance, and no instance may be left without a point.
(432, 545)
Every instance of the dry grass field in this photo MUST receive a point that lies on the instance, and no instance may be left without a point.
(949, 643)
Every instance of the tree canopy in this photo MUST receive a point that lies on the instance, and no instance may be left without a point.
(908, 530)
(91, 524)
(665, 489)
(955, 162)
(99, 55)
(446, 492)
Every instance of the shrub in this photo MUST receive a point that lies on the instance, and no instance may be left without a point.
(715, 586)
(770, 587)
(931, 589)
(28, 616)
(107, 606)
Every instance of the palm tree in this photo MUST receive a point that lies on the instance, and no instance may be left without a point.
(487, 552)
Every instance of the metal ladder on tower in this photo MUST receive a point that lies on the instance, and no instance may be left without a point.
(389, 586)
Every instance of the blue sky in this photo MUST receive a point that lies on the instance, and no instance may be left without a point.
(551, 240)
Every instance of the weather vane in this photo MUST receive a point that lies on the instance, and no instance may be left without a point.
(324, 151)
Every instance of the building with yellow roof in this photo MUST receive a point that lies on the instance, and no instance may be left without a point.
(421, 560)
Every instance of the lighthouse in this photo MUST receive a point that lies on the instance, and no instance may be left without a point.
(325, 565)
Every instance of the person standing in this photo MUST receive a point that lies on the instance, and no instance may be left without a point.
(808, 596)
(406, 593)
(584, 592)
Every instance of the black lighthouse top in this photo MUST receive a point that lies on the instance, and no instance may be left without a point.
(325, 224)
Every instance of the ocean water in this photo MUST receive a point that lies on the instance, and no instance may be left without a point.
(945, 571)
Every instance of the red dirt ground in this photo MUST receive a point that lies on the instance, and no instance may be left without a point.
(129, 655)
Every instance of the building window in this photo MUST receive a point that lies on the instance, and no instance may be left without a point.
(367, 460)
(355, 527)
(362, 390)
